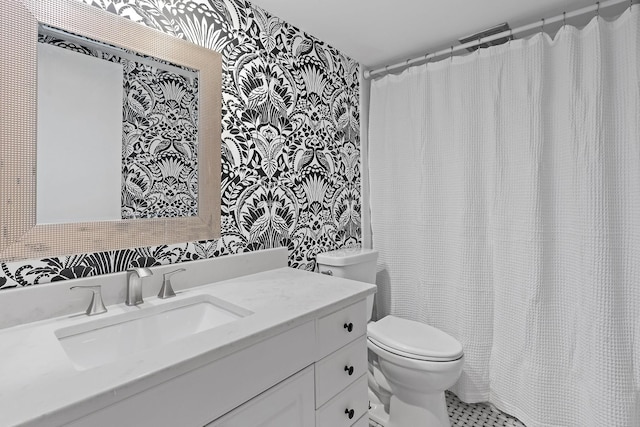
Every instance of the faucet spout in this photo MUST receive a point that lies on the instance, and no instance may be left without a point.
(134, 284)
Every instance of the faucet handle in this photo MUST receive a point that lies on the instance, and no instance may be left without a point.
(96, 306)
(167, 290)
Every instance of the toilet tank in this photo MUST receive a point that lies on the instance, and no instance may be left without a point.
(351, 263)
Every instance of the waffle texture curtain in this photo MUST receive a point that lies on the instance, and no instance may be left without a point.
(505, 204)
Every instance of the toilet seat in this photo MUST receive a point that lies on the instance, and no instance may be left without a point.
(413, 340)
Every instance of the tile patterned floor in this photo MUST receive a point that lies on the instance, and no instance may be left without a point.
(474, 415)
(477, 415)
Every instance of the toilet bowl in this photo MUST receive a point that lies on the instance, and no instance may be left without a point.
(411, 363)
(419, 363)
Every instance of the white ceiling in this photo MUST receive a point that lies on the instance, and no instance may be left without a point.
(381, 32)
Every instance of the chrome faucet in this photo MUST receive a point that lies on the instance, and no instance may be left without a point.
(134, 284)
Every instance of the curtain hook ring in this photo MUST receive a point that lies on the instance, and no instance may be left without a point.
(597, 10)
(479, 45)
(426, 57)
(451, 55)
(564, 19)
(386, 68)
(542, 27)
(510, 35)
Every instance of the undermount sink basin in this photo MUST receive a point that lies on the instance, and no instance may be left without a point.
(107, 340)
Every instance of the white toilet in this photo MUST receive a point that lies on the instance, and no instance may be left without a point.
(416, 362)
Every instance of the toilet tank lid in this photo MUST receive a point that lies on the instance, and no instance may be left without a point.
(347, 256)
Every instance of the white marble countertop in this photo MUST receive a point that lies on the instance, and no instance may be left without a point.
(40, 386)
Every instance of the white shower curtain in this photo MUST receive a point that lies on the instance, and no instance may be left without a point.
(505, 204)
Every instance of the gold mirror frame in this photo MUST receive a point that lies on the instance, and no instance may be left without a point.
(20, 236)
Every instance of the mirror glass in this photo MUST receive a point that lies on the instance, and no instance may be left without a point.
(126, 124)
(110, 133)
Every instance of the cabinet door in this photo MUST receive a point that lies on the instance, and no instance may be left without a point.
(290, 403)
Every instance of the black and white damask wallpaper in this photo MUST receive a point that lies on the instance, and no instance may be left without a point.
(159, 146)
(291, 144)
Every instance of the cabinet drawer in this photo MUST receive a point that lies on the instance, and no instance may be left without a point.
(352, 401)
(362, 422)
(339, 328)
(339, 369)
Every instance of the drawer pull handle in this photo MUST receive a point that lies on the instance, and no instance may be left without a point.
(349, 370)
(327, 272)
(350, 413)
(348, 326)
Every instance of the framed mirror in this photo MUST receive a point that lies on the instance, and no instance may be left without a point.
(167, 184)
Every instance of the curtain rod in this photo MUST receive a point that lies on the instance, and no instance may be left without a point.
(368, 74)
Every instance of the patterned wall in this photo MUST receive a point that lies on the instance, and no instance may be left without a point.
(291, 144)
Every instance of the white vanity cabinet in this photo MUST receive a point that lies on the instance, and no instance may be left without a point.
(311, 375)
(296, 358)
